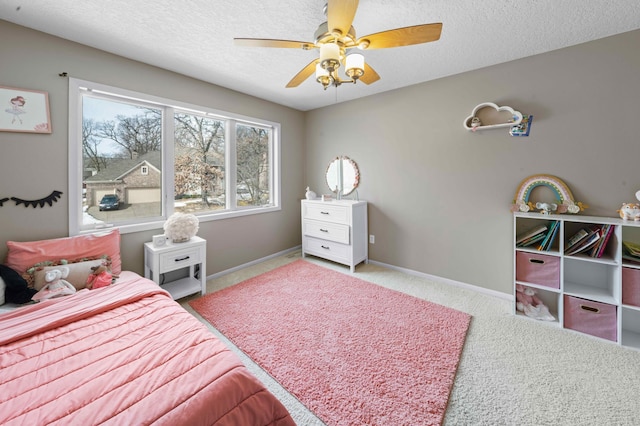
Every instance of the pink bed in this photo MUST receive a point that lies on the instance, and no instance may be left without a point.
(123, 354)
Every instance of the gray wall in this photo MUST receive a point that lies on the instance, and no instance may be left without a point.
(32, 165)
(440, 195)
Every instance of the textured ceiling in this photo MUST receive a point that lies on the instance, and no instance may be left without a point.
(195, 37)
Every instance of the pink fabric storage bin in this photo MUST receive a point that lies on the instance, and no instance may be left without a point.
(538, 269)
(594, 318)
(631, 286)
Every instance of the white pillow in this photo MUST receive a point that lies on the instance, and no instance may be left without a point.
(78, 273)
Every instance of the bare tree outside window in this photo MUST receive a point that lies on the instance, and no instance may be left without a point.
(135, 135)
(252, 147)
(91, 145)
(199, 162)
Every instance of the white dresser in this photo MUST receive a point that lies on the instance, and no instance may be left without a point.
(335, 230)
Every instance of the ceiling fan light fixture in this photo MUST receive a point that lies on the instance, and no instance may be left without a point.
(330, 56)
(336, 36)
(354, 65)
(323, 77)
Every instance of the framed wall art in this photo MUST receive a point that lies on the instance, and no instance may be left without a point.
(23, 110)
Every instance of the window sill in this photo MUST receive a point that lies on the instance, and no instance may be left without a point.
(158, 224)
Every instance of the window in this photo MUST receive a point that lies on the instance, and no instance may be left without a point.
(159, 156)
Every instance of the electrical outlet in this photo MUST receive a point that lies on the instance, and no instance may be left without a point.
(372, 239)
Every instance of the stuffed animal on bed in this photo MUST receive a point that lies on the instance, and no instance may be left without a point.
(56, 285)
(100, 277)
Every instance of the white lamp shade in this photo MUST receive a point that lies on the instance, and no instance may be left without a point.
(321, 72)
(355, 61)
(329, 51)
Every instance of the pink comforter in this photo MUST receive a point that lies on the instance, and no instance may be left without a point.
(124, 354)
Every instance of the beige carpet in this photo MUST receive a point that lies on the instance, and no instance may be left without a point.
(513, 371)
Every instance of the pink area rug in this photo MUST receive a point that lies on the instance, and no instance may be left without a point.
(353, 352)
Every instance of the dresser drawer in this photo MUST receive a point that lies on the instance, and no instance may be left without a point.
(327, 212)
(327, 249)
(326, 230)
(177, 259)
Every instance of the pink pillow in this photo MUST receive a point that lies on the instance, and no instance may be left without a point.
(23, 255)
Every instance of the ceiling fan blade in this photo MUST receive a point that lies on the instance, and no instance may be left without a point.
(369, 76)
(340, 14)
(402, 36)
(305, 73)
(265, 42)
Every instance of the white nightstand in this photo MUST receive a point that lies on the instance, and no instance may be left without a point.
(191, 255)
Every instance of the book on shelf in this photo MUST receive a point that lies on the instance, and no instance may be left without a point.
(547, 243)
(576, 238)
(632, 248)
(523, 128)
(585, 243)
(547, 235)
(603, 233)
(531, 241)
(630, 258)
(529, 233)
(631, 251)
(606, 232)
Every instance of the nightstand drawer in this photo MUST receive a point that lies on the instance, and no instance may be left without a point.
(326, 230)
(179, 259)
(327, 212)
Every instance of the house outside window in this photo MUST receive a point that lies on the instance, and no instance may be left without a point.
(146, 150)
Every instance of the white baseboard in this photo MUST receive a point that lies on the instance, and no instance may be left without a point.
(447, 281)
(253, 262)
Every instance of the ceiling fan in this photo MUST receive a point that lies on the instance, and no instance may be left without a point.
(337, 37)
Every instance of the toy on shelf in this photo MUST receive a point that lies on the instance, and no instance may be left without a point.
(475, 123)
(630, 211)
(546, 208)
(530, 304)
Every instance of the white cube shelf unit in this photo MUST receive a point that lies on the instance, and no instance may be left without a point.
(593, 280)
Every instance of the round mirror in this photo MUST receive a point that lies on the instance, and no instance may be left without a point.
(342, 175)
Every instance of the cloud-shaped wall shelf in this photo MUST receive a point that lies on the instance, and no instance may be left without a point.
(492, 116)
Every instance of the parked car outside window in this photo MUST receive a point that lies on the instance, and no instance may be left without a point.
(109, 202)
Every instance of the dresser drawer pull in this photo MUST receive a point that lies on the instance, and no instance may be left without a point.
(181, 259)
(324, 230)
(324, 212)
(325, 247)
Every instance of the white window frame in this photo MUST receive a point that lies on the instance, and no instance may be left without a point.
(77, 87)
